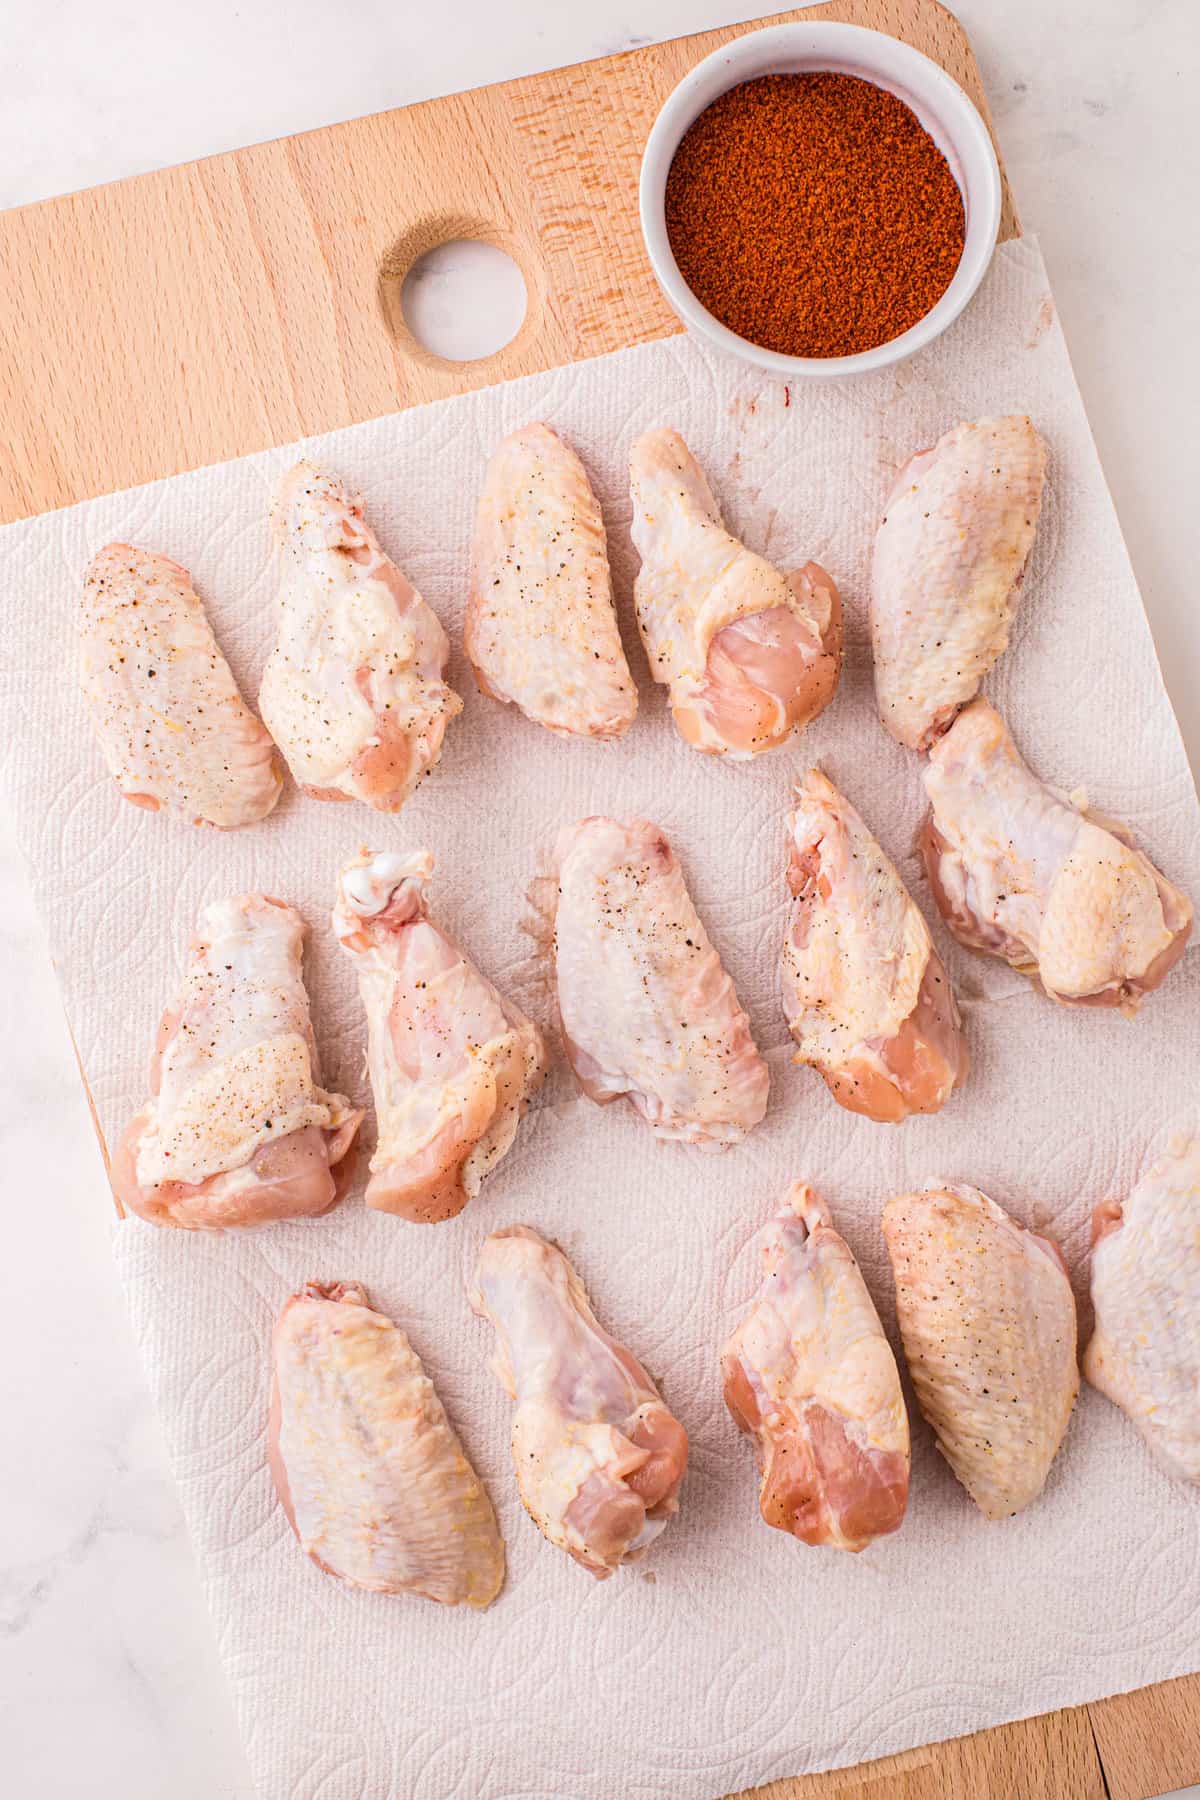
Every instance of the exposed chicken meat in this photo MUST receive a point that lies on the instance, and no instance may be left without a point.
(866, 995)
(1145, 1353)
(810, 1375)
(167, 713)
(371, 1475)
(949, 557)
(647, 1010)
(747, 654)
(598, 1456)
(987, 1318)
(355, 689)
(239, 1130)
(452, 1062)
(1023, 874)
(540, 626)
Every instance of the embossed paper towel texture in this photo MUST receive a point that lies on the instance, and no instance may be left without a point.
(732, 1655)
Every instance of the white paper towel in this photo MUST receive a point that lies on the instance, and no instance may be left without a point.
(732, 1655)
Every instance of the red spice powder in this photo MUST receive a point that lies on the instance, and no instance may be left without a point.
(813, 214)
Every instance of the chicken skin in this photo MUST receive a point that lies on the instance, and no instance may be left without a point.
(747, 654)
(540, 627)
(946, 575)
(369, 1471)
(987, 1319)
(647, 1010)
(239, 1130)
(1024, 874)
(1145, 1353)
(355, 689)
(170, 721)
(810, 1375)
(452, 1062)
(598, 1456)
(866, 995)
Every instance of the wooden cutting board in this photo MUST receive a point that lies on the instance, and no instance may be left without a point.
(218, 308)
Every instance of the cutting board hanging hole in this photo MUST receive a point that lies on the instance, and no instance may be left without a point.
(455, 290)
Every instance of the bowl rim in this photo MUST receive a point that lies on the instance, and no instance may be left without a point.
(954, 112)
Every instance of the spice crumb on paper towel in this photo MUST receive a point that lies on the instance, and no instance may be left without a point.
(749, 1656)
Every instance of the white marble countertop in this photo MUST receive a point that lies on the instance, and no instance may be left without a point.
(110, 1682)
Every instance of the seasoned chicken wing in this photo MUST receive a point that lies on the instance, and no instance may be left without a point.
(1024, 874)
(540, 626)
(168, 716)
(810, 1375)
(355, 689)
(371, 1475)
(239, 1130)
(949, 557)
(987, 1318)
(747, 654)
(647, 1010)
(1145, 1352)
(452, 1062)
(598, 1456)
(866, 995)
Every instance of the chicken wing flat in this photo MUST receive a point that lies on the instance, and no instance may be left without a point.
(168, 716)
(540, 627)
(1145, 1352)
(368, 1468)
(647, 1010)
(949, 559)
(987, 1319)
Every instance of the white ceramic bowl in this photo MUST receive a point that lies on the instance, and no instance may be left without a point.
(939, 103)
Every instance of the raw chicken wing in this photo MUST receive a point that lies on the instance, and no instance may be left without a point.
(1026, 875)
(167, 713)
(647, 1010)
(867, 998)
(949, 558)
(540, 626)
(239, 1130)
(747, 653)
(371, 1475)
(809, 1374)
(987, 1318)
(355, 689)
(451, 1061)
(598, 1456)
(1145, 1354)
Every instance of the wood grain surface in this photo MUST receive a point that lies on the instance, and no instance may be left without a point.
(224, 306)
(217, 308)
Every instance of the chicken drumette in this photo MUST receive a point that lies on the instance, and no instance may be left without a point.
(239, 1130)
(598, 1456)
(748, 654)
(810, 1375)
(452, 1062)
(355, 689)
(1026, 875)
(866, 995)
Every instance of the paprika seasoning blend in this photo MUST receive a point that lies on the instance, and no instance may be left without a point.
(813, 214)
